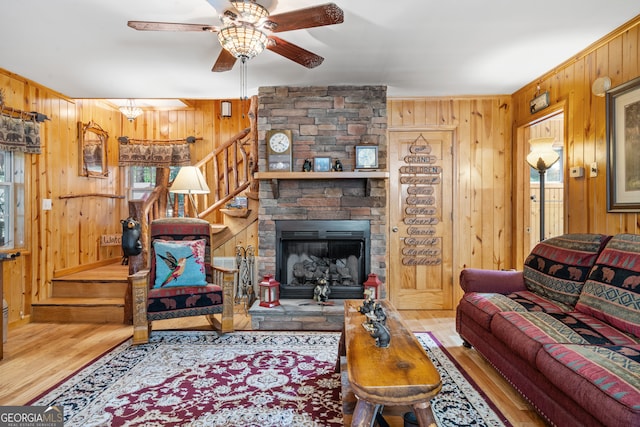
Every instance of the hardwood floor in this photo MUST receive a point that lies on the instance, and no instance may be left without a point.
(39, 355)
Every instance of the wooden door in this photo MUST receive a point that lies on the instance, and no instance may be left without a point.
(421, 195)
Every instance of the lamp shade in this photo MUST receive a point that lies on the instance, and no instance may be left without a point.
(542, 155)
(189, 181)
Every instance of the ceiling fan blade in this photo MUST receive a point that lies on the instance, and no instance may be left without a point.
(170, 26)
(294, 53)
(225, 61)
(316, 16)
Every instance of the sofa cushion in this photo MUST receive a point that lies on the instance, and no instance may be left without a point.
(557, 267)
(481, 307)
(612, 290)
(170, 302)
(525, 333)
(605, 379)
(498, 281)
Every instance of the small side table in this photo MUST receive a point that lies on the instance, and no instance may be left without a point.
(5, 256)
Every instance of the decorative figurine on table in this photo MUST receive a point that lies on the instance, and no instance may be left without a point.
(379, 314)
(321, 291)
(367, 306)
(337, 167)
(307, 166)
(381, 334)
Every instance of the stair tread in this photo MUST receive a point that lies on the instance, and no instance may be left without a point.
(108, 273)
(80, 301)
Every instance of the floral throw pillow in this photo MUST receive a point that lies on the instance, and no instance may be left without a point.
(179, 263)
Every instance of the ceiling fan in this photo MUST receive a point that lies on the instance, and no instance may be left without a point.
(247, 28)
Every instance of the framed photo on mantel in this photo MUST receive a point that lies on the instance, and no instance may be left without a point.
(366, 157)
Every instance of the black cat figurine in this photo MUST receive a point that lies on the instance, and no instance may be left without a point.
(306, 167)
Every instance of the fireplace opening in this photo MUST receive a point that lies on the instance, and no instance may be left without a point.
(334, 250)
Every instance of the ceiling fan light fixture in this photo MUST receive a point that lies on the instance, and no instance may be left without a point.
(130, 110)
(250, 11)
(242, 41)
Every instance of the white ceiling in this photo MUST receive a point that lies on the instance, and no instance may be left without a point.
(84, 48)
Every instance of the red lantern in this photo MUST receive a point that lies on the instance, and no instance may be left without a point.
(269, 292)
(372, 286)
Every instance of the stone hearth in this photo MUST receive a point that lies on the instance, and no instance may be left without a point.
(298, 315)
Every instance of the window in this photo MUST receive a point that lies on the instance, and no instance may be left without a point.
(11, 199)
(142, 181)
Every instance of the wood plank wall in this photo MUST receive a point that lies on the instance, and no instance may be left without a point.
(569, 86)
(67, 238)
(482, 163)
(488, 219)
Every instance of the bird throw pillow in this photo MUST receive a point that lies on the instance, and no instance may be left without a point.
(179, 263)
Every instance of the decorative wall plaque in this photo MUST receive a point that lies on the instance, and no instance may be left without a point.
(420, 180)
(421, 252)
(421, 159)
(415, 231)
(414, 241)
(420, 210)
(420, 190)
(421, 221)
(421, 261)
(420, 149)
(429, 200)
(421, 169)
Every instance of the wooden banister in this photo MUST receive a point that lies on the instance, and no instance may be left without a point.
(228, 170)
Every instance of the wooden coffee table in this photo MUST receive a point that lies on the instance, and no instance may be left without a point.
(401, 374)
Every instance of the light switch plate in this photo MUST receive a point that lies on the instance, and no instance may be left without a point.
(593, 170)
(576, 172)
(46, 204)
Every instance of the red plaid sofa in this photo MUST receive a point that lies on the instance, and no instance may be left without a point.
(564, 331)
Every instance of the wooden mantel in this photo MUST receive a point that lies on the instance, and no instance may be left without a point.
(276, 176)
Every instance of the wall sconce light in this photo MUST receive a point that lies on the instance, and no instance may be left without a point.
(225, 108)
(600, 86)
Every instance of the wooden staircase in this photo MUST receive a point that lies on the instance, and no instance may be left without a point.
(98, 295)
(92, 296)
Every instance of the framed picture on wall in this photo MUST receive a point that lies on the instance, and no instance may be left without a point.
(623, 146)
(366, 156)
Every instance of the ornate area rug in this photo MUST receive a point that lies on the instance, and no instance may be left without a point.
(261, 379)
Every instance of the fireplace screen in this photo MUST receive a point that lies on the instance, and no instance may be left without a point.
(337, 251)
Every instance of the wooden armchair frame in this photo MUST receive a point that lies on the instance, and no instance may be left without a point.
(142, 318)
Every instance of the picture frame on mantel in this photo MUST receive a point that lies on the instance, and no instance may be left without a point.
(366, 157)
(321, 164)
(623, 146)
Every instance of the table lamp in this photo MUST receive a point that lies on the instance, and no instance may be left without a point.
(190, 181)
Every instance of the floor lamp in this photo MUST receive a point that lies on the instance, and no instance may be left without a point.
(190, 181)
(541, 158)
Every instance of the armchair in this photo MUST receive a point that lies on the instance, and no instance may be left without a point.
(180, 280)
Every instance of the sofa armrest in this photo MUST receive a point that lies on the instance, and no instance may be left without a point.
(497, 281)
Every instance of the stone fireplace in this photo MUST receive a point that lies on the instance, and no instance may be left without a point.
(327, 121)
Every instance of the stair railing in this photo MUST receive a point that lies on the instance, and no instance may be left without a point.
(228, 171)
